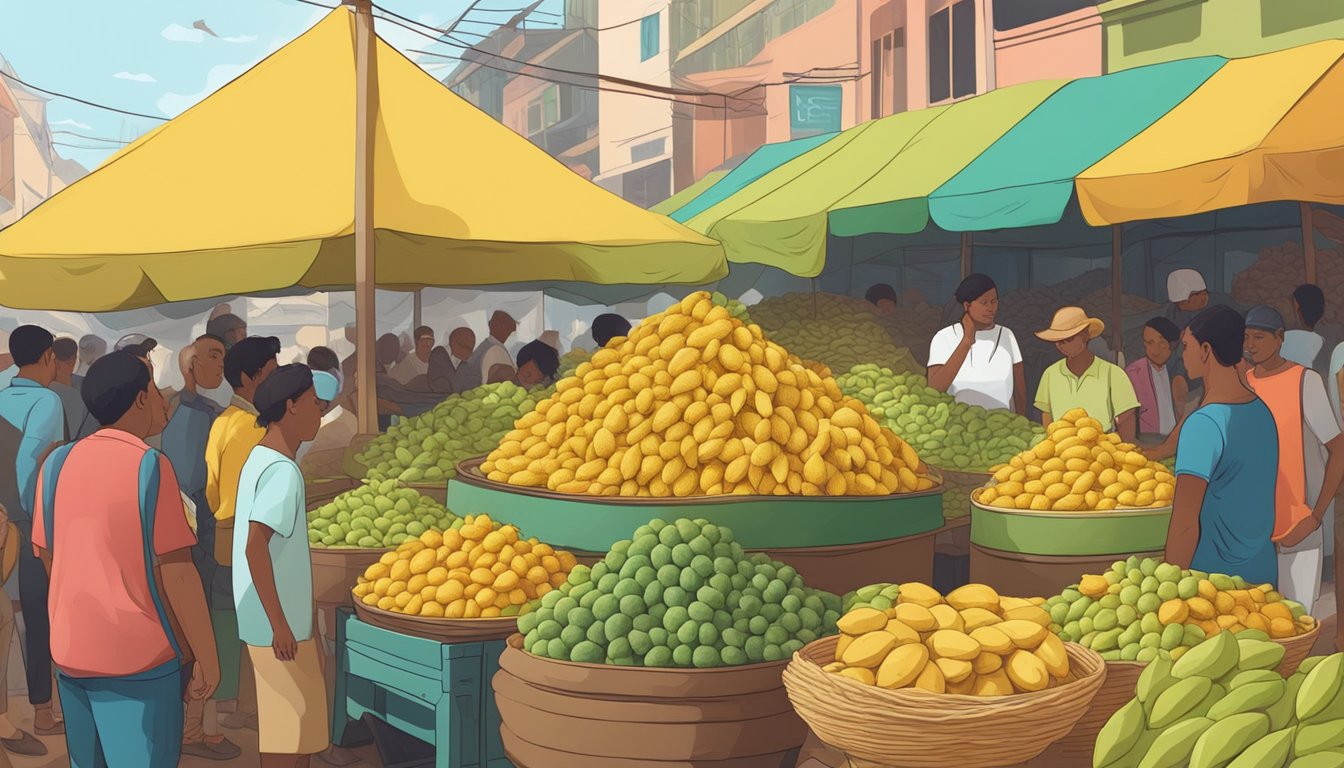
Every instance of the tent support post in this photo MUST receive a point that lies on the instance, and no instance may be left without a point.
(366, 318)
(965, 254)
(1117, 292)
(1309, 242)
(417, 309)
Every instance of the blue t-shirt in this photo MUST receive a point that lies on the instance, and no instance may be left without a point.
(1235, 449)
(271, 492)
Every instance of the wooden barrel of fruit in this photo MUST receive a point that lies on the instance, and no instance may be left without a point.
(562, 714)
(335, 571)
(1020, 552)
(322, 490)
(837, 543)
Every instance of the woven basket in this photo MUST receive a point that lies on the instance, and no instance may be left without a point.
(1077, 746)
(917, 729)
(1297, 649)
(438, 630)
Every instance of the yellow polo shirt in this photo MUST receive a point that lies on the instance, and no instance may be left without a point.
(232, 437)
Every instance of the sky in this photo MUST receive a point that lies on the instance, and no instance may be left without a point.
(149, 56)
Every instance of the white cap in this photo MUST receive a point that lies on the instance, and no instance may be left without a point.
(1182, 283)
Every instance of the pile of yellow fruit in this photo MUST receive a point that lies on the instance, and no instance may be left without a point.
(694, 402)
(972, 642)
(480, 570)
(1079, 468)
(1218, 603)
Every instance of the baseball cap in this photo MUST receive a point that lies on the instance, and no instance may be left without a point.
(1263, 318)
(137, 344)
(325, 386)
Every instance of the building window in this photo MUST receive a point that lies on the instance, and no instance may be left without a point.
(952, 52)
(648, 37)
(814, 109)
(543, 111)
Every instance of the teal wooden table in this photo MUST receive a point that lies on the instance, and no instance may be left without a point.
(437, 693)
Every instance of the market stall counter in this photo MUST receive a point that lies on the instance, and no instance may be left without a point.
(432, 691)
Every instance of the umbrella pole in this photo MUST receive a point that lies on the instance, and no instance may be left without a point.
(365, 264)
(1117, 293)
(1309, 242)
(965, 255)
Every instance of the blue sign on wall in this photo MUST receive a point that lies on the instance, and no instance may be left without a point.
(814, 109)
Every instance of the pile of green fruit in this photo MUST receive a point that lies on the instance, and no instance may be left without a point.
(427, 448)
(1224, 704)
(735, 308)
(945, 433)
(571, 360)
(879, 596)
(1140, 608)
(374, 515)
(679, 594)
(825, 328)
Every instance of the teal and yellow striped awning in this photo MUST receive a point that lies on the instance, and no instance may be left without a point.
(1160, 141)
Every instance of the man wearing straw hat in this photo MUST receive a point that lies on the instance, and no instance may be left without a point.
(1083, 380)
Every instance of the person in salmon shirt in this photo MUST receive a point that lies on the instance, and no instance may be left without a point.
(1311, 453)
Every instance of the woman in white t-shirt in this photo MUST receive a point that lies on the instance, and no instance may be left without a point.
(976, 361)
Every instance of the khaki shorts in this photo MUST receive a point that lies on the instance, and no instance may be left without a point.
(291, 701)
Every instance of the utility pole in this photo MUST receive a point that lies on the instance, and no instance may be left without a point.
(366, 316)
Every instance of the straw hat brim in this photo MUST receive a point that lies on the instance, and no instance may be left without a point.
(1093, 326)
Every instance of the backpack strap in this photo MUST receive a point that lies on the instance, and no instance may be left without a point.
(51, 470)
(149, 501)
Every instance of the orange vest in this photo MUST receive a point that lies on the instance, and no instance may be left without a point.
(1282, 392)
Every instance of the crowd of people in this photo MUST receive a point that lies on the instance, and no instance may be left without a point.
(1237, 399)
(161, 541)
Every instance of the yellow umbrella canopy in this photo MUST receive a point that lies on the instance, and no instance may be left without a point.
(253, 189)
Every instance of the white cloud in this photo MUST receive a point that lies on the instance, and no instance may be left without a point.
(179, 34)
(174, 104)
(138, 77)
(74, 124)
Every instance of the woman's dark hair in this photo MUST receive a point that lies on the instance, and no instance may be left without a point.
(28, 343)
(1311, 302)
(112, 384)
(541, 353)
(608, 326)
(879, 292)
(1223, 329)
(249, 356)
(973, 287)
(323, 359)
(1166, 328)
(285, 385)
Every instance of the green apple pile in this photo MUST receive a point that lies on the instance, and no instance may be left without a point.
(376, 514)
(427, 448)
(679, 594)
(826, 328)
(945, 433)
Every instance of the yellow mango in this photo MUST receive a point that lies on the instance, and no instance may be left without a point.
(861, 621)
(902, 666)
(972, 596)
(869, 650)
(951, 644)
(1026, 635)
(954, 670)
(947, 617)
(993, 640)
(917, 617)
(1026, 671)
(918, 594)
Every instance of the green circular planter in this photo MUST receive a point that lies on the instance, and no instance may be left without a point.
(758, 522)
(1069, 534)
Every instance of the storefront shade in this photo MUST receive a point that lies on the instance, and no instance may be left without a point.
(1026, 177)
(873, 178)
(758, 163)
(253, 189)
(1261, 129)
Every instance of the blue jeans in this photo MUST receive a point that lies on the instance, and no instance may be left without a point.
(124, 722)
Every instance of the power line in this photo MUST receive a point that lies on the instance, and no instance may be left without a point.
(92, 138)
(86, 102)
